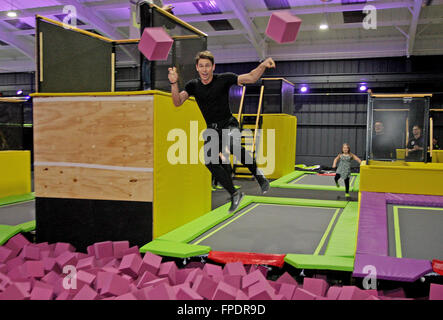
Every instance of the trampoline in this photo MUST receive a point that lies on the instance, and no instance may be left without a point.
(304, 233)
(315, 181)
(16, 218)
(399, 234)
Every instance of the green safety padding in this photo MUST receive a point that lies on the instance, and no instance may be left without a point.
(343, 240)
(299, 202)
(27, 226)
(287, 178)
(7, 232)
(307, 261)
(174, 249)
(17, 198)
(356, 185)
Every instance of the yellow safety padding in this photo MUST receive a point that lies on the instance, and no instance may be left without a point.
(15, 173)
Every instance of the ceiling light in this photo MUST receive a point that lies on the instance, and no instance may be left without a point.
(324, 26)
(11, 14)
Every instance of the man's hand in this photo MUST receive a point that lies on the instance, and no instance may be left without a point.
(172, 75)
(268, 63)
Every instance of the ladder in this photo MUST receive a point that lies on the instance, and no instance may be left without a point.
(252, 123)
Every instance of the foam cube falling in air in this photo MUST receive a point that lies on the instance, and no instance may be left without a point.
(155, 43)
(283, 27)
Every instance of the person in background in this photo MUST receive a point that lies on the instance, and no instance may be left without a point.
(383, 146)
(344, 166)
(416, 145)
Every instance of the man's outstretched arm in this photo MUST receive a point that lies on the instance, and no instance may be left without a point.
(177, 97)
(254, 75)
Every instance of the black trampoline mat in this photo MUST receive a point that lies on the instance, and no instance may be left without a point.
(421, 232)
(19, 213)
(270, 228)
(317, 180)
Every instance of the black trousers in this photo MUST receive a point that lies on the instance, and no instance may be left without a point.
(337, 177)
(225, 137)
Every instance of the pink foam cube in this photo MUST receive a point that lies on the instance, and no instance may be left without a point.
(234, 269)
(14, 292)
(17, 242)
(224, 292)
(156, 282)
(186, 293)
(85, 277)
(181, 275)
(283, 27)
(169, 270)
(126, 296)
(334, 293)
(146, 277)
(34, 269)
(395, 293)
(62, 247)
(65, 295)
(3, 268)
(42, 291)
(252, 278)
(151, 262)
(132, 250)
(131, 264)
(14, 263)
(86, 293)
(352, 293)
(234, 281)
(30, 252)
(213, 270)
(50, 264)
(119, 247)
(371, 297)
(86, 263)
(4, 281)
(103, 249)
(286, 278)
(436, 292)
(301, 294)
(115, 285)
(161, 292)
(260, 291)
(204, 286)
(280, 297)
(50, 278)
(192, 275)
(6, 254)
(287, 290)
(241, 296)
(155, 43)
(43, 246)
(315, 286)
(66, 258)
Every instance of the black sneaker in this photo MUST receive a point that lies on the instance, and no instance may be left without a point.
(235, 200)
(262, 181)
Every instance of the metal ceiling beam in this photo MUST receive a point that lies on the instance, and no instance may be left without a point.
(413, 27)
(20, 44)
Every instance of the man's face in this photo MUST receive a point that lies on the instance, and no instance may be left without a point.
(416, 131)
(205, 69)
(378, 127)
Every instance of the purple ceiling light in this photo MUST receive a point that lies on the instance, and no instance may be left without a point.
(207, 7)
(304, 88)
(277, 4)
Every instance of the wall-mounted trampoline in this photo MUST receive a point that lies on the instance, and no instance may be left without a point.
(314, 181)
(310, 234)
(399, 234)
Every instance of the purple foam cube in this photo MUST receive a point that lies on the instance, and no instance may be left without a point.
(234, 269)
(6, 254)
(169, 270)
(62, 247)
(132, 250)
(181, 275)
(252, 278)
(280, 297)
(436, 292)
(276, 286)
(283, 27)
(115, 285)
(186, 293)
(86, 263)
(103, 249)
(315, 286)
(131, 264)
(155, 43)
(85, 277)
(50, 264)
(156, 282)
(126, 296)
(42, 291)
(352, 293)
(234, 281)
(90, 250)
(301, 294)
(65, 295)
(224, 291)
(17, 242)
(286, 278)
(14, 292)
(66, 258)
(50, 278)
(260, 290)
(334, 293)
(213, 270)
(43, 246)
(146, 277)
(3, 268)
(86, 293)
(33, 269)
(14, 263)
(4, 281)
(192, 275)
(119, 247)
(204, 286)
(151, 262)
(241, 296)
(161, 292)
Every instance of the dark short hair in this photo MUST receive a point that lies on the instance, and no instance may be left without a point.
(416, 125)
(204, 55)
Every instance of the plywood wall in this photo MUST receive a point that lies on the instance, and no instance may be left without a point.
(91, 147)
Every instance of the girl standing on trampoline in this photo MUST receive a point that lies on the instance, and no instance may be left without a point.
(344, 166)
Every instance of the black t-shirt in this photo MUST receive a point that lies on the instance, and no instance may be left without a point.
(383, 147)
(416, 154)
(213, 98)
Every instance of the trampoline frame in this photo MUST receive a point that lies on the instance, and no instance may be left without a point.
(8, 231)
(339, 253)
(372, 240)
(287, 182)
